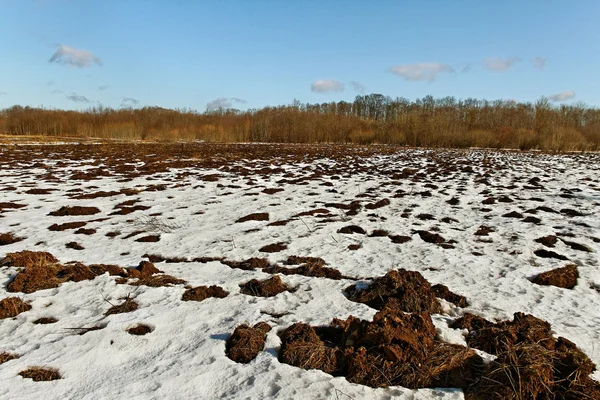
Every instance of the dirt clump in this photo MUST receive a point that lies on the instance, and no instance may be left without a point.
(148, 239)
(313, 269)
(84, 231)
(354, 247)
(139, 330)
(254, 217)
(126, 306)
(576, 246)
(378, 204)
(4, 357)
(74, 210)
(12, 306)
(74, 246)
(532, 220)
(484, 231)
(350, 229)
(66, 225)
(265, 288)
(549, 254)
(513, 214)
(36, 278)
(247, 265)
(273, 248)
(246, 342)
(26, 258)
(405, 290)
(443, 292)
(571, 213)
(39, 374)
(399, 239)
(431, 237)
(8, 238)
(45, 321)
(379, 233)
(548, 241)
(565, 277)
(296, 260)
(204, 292)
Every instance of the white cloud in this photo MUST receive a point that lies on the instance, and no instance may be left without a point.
(562, 96)
(325, 86)
(129, 102)
(498, 64)
(103, 87)
(3, 93)
(539, 62)
(56, 91)
(78, 98)
(358, 87)
(70, 56)
(421, 71)
(223, 102)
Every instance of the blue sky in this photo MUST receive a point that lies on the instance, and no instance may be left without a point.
(249, 54)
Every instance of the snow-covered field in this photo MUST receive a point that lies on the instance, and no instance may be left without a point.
(193, 196)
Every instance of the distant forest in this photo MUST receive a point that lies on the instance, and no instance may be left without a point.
(374, 118)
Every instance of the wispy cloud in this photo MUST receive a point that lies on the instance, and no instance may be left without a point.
(56, 91)
(326, 86)
(498, 64)
(103, 87)
(421, 71)
(66, 55)
(3, 94)
(539, 62)
(129, 102)
(562, 96)
(50, 83)
(78, 98)
(223, 102)
(358, 87)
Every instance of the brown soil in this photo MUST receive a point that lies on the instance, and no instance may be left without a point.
(128, 210)
(75, 210)
(11, 206)
(350, 229)
(39, 374)
(12, 306)
(549, 254)
(577, 246)
(65, 226)
(513, 214)
(272, 190)
(314, 269)
(39, 191)
(453, 201)
(247, 265)
(548, 241)
(425, 217)
(297, 260)
(169, 260)
(273, 248)
(45, 320)
(204, 292)
(399, 239)
(74, 246)
(379, 233)
(160, 280)
(26, 258)
(266, 288)
(565, 277)
(378, 204)
(483, 231)
(113, 270)
(126, 306)
(8, 238)
(148, 239)
(571, 213)
(431, 237)
(532, 220)
(246, 342)
(139, 330)
(84, 231)
(146, 269)
(405, 290)
(254, 217)
(4, 357)
(443, 292)
(354, 247)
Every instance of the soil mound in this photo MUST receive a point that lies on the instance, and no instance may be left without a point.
(296, 260)
(45, 321)
(26, 258)
(254, 217)
(148, 239)
(4, 357)
(249, 264)
(405, 290)
(548, 241)
(431, 237)
(313, 269)
(266, 288)
(378, 204)
(139, 330)
(39, 374)
(565, 277)
(74, 246)
(399, 239)
(513, 214)
(12, 306)
(549, 254)
(65, 226)
(443, 292)
(74, 210)
(126, 306)
(246, 342)
(8, 238)
(273, 248)
(204, 292)
(350, 229)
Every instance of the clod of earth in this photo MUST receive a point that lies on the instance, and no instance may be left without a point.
(548, 241)
(66, 225)
(139, 330)
(148, 239)
(549, 254)
(39, 374)
(254, 217)
(246, 342)
(74, 246)
(565, 277)
(266, 288)
(399, 239)
(12, 306)
(577, 246)
(8, 238)
(126, 306)
(532, 220)
(379, 233)
(75, 210)
(442, 292)
(431, 237)
(247, 265)
(273, 248)
(398, 289)
(204, 292)
(513, 214)
(378, 204)
(350, 229)
(311, 268)
(45, 321)
(4, 357)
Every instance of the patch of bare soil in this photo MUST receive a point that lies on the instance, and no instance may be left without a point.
(565, 277)
(273, 248)
(74, 210)
(39, 374)
(148, 239)
(65, 226)
(442, 292)
(532, 220)
(84, 231)
(123, 210)
(350, 229)
(74, 246)
(272, 190)
(571, 213)
(378, 204)
(246, 342)
(576, 246)
(4, 357)
(26, 258)
(549, 254)
(12, 306)
(398, 289)
(126, 306)
(317, 211)
(169, 260)
(139, 330)
(297, 260)
(204, 292)
(399, 239)
(379, 233)
(484, 231)
(354, 247)
(246, 265)
(309, 268)
(513, 214)
(11, 206)
(39, 191)
(254, 217)
(431, 237)
(45, 321)
(265, 288)
(9, 238)
(548, 241)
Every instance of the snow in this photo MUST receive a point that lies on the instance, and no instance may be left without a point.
(184, 356)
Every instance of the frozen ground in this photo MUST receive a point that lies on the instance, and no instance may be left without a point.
(194, 197)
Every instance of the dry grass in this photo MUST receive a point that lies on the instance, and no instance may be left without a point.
(4, 357)
(39, 374)
(12, 306)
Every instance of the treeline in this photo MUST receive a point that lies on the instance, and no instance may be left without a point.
(374, 118)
